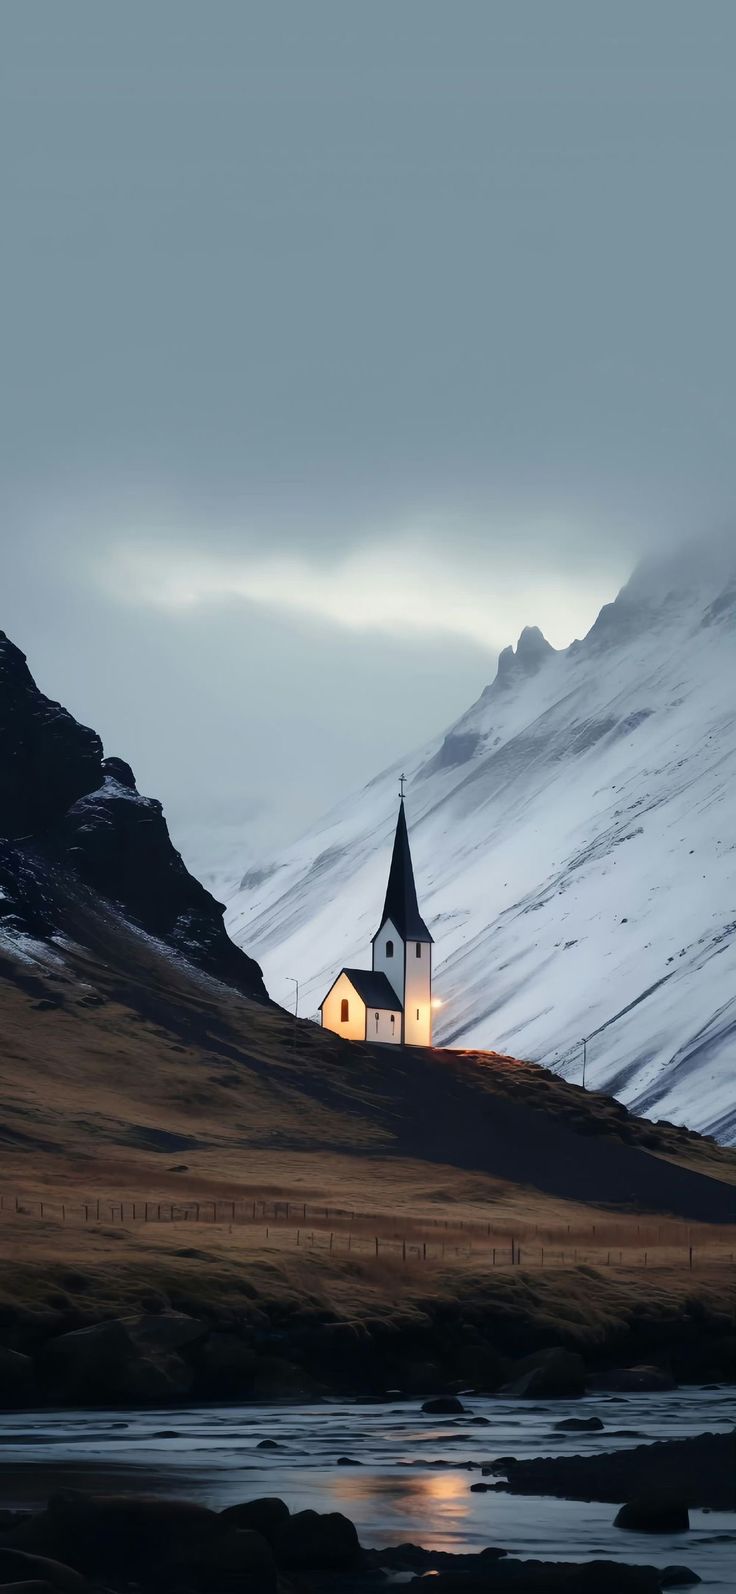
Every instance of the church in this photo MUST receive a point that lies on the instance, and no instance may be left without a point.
(392, 1001)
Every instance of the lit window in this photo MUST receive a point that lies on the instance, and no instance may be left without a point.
(389, 949)
(344, 1010)
(419, 949)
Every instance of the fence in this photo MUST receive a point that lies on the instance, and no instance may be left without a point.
(340, 1231)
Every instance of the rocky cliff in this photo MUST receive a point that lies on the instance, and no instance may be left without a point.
(71, 819)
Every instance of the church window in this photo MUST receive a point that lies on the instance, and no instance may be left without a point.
(344, 1010)
(389, 949)
(417, 1012)
(393, 1023)
(377, 1018)
(419, 949)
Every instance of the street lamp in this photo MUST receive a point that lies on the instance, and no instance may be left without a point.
(293, 981)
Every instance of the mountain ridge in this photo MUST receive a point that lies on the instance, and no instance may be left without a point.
(571, 834)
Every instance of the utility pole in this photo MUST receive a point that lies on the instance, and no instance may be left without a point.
(295, 983)
(585, 1058)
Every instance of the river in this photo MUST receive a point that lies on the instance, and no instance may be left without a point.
(407, 1476)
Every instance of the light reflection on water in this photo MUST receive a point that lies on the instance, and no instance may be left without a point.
(412, 1478)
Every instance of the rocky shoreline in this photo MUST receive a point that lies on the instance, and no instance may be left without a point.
(163, 1356)
(79, 1543)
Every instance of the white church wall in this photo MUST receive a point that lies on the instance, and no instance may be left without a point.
(343, 991)
(379, 1026)
(392, 967)
(418, 994)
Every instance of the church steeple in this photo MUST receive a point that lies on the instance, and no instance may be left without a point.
(401, 905)
(392, 1002)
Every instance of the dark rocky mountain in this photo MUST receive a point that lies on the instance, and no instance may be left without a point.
(73, 822)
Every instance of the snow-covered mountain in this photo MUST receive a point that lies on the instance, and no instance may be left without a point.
(574, 841)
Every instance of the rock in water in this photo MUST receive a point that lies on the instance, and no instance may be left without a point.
(653, 1516)
(443, 1406)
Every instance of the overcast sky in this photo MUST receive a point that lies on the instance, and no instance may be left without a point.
(338, 341)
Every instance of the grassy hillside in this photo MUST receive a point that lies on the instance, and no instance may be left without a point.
(126, 1076)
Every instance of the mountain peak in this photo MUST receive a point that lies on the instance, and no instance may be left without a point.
(532, 649)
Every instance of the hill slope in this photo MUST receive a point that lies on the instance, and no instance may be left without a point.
(574, 846)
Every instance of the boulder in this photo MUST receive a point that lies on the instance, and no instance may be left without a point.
(160, 1333)
(34, 1586)
(239, 1559)
(678, 1577)
(653, 1515)
(312, 1541)
(274, 1378)
(550, 1374)
(17, 1380)
(122, 1535)
(266, 1516)
(632, 1380)
(225, 1367)
(443, 1406)
(579, 1425)
(115, 1360)
(19, 1566)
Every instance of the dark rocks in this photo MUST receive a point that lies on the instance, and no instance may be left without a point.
(125, 1535)
(579, 1425)
(678, 1577)
(699, 1472)
(129, 1359)
(347, 1461)
(633, 1380)
(275, 1378)
(548, 1375)
(225, 1367)
(17, 1380)
(19, 1566)
(313, 1541)
(266, 1516)
(653, 1515)
(443, 1406)
(240, 1559)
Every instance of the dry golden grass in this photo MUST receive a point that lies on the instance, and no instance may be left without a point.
(121, 1067)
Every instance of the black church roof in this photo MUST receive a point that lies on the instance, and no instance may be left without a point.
(401, 905)
(372, 987)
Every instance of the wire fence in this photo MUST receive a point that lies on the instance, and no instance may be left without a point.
(337, 1230)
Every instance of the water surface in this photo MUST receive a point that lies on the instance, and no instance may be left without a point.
(407, 1476)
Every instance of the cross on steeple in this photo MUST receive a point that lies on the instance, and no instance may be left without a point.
(402, 782)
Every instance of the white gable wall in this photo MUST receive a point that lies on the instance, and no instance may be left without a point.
(342, 990)
(393, 967)
(383, 1030)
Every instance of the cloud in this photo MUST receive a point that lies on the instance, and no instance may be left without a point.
(407, 586)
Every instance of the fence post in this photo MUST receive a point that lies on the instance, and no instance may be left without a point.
(690, 1258)
(376, 1245)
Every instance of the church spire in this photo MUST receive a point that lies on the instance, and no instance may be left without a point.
(401, 905)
